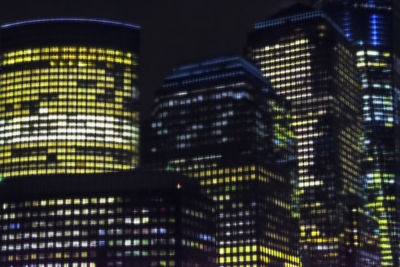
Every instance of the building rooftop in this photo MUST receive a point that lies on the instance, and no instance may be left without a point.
(212, 66)
(52, 20)
(75, 184)
(295, 13)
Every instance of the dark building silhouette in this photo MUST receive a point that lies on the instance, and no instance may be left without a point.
(373, 28)
(308, 61)
(68, 97)
(137, 218)
(218, 122)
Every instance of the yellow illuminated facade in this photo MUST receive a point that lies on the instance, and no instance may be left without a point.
(312, 66)
(67, 110)
(243, 240)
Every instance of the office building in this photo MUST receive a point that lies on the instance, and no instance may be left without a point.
(135, 218)
(373, 29)
(218, 122)
(362, 238)
(309, 61)
(68, 97)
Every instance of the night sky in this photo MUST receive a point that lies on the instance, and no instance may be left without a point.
(173, 32)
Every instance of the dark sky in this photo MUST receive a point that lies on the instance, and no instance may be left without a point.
(173, 31)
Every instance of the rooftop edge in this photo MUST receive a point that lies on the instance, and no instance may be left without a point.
(34, 21)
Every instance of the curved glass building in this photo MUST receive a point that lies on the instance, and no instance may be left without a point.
(68, 97)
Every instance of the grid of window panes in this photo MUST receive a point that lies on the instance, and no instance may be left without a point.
(68, 109)
(212, 122)
(363, 235)
(254, 223)
(380, 129)
(371, 27)
(105, 231)
(220, 109)
(316, 72)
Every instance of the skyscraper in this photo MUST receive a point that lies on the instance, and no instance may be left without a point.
(68, 97)
(371, 27)
(218, 122)
(308, 60)
(135, 218)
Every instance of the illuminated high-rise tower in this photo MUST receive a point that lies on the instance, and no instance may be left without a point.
(218, 122)
(309, 61)
(372, 27)
(68, 97)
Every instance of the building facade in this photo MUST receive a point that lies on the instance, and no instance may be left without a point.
(218, 122)
(68, 97)
(308, 61)
(370, 26)
(134, 218)
(363, 239)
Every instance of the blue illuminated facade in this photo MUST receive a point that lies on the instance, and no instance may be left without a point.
(365, 22)
(369, 25)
